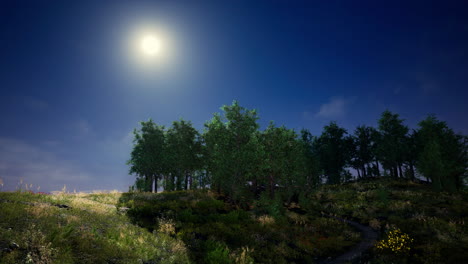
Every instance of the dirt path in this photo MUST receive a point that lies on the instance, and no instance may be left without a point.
(369, 237)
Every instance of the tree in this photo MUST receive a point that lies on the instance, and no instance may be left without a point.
(216, 151)
(312, 163)
(231, 148)
(363, 143)
(146, 158)
(376, 138)
(442, 154)
(284, 162)
(334, 150)
(392, 141)
(183, 154)
(410, 155)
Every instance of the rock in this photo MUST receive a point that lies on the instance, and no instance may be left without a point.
(62, 206)
(13, 246)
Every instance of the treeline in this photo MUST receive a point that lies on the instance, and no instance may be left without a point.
(232, 156)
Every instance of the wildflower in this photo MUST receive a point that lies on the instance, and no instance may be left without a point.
(396, 241)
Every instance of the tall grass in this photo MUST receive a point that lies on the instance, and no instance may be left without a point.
(77, 228)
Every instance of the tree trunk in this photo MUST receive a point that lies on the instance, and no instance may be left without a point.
(395, 171)
(254, 187)
(148, 184)
(272, 187)
(358, 174)
(412, 174)
(190, 181)
(400, 170)
(179, 180)
(186, 180)
(155, 180)
(378, 169)
(364, 173)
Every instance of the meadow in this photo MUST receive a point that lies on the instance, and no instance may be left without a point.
(414, 225)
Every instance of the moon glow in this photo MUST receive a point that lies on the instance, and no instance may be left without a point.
(151, 45)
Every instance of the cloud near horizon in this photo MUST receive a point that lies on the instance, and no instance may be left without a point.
(23, 162)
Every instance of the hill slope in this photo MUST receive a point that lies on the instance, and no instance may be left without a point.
(77, 228)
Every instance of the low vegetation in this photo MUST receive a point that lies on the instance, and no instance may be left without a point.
(77, 228)
(415, 225)
(217, 232)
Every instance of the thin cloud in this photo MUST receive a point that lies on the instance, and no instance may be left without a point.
(36, 166)
(35, 104)
(81, 129)
(426, 83)
(335, 108)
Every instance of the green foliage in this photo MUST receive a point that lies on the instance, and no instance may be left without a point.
(312, 168)
(183, 150)
(364, 151)
(382, 195)
(391, 147)
(442, 154)
(240, 162)
(219, 232)
(265, 205)
(146, 159)
(435, 220)
(284, 161)
(334, 150)
(218, 253)
(232, 148)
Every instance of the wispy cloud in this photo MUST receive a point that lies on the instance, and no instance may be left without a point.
(426, 82)
(119, 147)
(81, 129)
(35, 103)
(335, 108)
(21, 160)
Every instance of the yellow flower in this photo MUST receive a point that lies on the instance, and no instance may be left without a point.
(397, 242)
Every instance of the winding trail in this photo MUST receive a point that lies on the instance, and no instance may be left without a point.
(369, 237)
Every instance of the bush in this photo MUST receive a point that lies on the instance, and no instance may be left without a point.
(218, 253)
(396, 242)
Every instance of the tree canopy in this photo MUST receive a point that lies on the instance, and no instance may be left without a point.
(233, 157)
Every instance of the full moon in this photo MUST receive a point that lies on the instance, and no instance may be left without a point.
(150, 45)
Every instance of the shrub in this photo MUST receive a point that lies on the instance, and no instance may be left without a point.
(396, 242)
(39, 250)
(218, 253)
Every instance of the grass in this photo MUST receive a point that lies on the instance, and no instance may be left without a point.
(416, 225)
(435, 221)
(216, 232)
(91, 230)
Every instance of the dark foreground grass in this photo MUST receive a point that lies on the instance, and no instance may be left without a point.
(417, 224)
(216, 232)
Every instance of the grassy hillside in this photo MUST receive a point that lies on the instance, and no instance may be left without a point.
(216, 232)
(415, 225)
(435, 223)
(77, 228)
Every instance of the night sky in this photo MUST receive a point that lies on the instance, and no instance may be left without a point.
(74, 84)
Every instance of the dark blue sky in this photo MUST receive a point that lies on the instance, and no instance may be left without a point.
(73, 86)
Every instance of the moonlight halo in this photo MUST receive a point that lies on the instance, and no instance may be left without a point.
(151, 45)
(149, 48)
